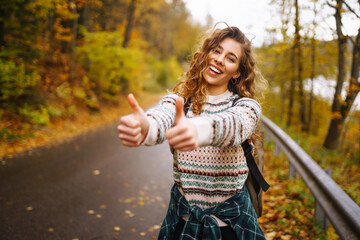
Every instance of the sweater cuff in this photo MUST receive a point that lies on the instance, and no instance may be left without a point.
(151, 137)
(204, 130)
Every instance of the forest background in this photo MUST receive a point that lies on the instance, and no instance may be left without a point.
(67, 66)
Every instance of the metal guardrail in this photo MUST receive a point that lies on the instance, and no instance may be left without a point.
(339, 208)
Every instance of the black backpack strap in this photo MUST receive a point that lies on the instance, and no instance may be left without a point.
(254, 170)
(187, 106)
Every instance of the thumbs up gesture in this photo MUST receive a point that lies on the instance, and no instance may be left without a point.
(133, 128)
(183, 136)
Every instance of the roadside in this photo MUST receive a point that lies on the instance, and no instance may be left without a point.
(63, 130)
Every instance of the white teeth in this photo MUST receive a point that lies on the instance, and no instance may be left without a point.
(214, 69)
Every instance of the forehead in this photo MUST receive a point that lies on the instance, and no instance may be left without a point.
(231, 45)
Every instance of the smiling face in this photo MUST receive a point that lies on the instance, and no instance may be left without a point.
(223, 65)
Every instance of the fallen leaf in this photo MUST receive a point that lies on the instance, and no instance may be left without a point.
(270, 235)
(142, 234)
(50, 229)
(91, 212)
(96, 172)
(29, 208)
(141, 203)
(117, 228)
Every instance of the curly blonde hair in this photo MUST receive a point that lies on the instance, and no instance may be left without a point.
(193, 85)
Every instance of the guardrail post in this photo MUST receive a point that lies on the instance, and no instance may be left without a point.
(292, 171)
(319, 211)
(277, 150)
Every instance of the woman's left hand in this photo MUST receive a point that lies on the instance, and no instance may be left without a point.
(183, 136)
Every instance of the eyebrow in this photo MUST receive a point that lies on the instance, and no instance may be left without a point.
(231, 53)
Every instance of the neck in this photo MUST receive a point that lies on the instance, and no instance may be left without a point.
(214, 91)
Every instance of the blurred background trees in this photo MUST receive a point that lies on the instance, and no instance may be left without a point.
(300, 56)
(59, 55)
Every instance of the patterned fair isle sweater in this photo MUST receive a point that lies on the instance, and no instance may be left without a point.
(217, 169)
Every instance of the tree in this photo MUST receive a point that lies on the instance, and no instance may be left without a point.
(130, 22)
(340, 109)
(313, 66)
(299, 67)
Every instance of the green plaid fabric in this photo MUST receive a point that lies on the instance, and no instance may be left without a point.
(237, 212)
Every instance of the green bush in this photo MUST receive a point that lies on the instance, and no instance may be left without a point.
(16, 81)
(38, 115)
(111, 68)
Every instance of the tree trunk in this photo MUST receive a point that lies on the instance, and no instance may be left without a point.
(340, 110)
(130, 21)
(302, 110)
(292, 89)
(312, 76)
(86, 16)
(313, 70)
(73, 41)
(2, 35)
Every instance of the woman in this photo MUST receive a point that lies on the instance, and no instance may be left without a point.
(209, 199)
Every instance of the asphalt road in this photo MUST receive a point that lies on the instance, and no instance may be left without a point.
(89, 188)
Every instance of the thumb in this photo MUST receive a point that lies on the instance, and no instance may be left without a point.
(134, 104)
(179, 107)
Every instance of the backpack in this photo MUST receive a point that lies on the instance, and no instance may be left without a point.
(255, 183)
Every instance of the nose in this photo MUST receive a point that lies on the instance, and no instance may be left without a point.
(220, 59)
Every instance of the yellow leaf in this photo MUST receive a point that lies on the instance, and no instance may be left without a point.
(96, 172)
(285, 237)
(29, 208)
(142, 234)
(270, 235)
(141, 203)
(50, 229)
(91, 212)
(117, 228)
(336, 115)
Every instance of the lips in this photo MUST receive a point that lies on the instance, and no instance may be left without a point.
(215, 69)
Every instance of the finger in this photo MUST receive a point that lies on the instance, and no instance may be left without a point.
(131, 139)
(123, 129)
(134, 104)
(179, 107)
(130, 121)
(179, 139)
(129, 144)
(172, 132)
(185, 146)
(187, 149)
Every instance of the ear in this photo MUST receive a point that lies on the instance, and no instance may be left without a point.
(237, 74)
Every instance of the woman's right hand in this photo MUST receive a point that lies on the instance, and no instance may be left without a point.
(133, 128)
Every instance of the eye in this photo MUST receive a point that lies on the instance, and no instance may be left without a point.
(216, 51)
(231, 59)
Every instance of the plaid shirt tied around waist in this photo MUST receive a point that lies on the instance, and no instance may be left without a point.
(236, 211)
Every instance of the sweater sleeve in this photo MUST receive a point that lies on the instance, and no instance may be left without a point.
(161, 117)
(230, 127)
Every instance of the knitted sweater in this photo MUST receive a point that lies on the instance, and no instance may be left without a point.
(217, 169)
